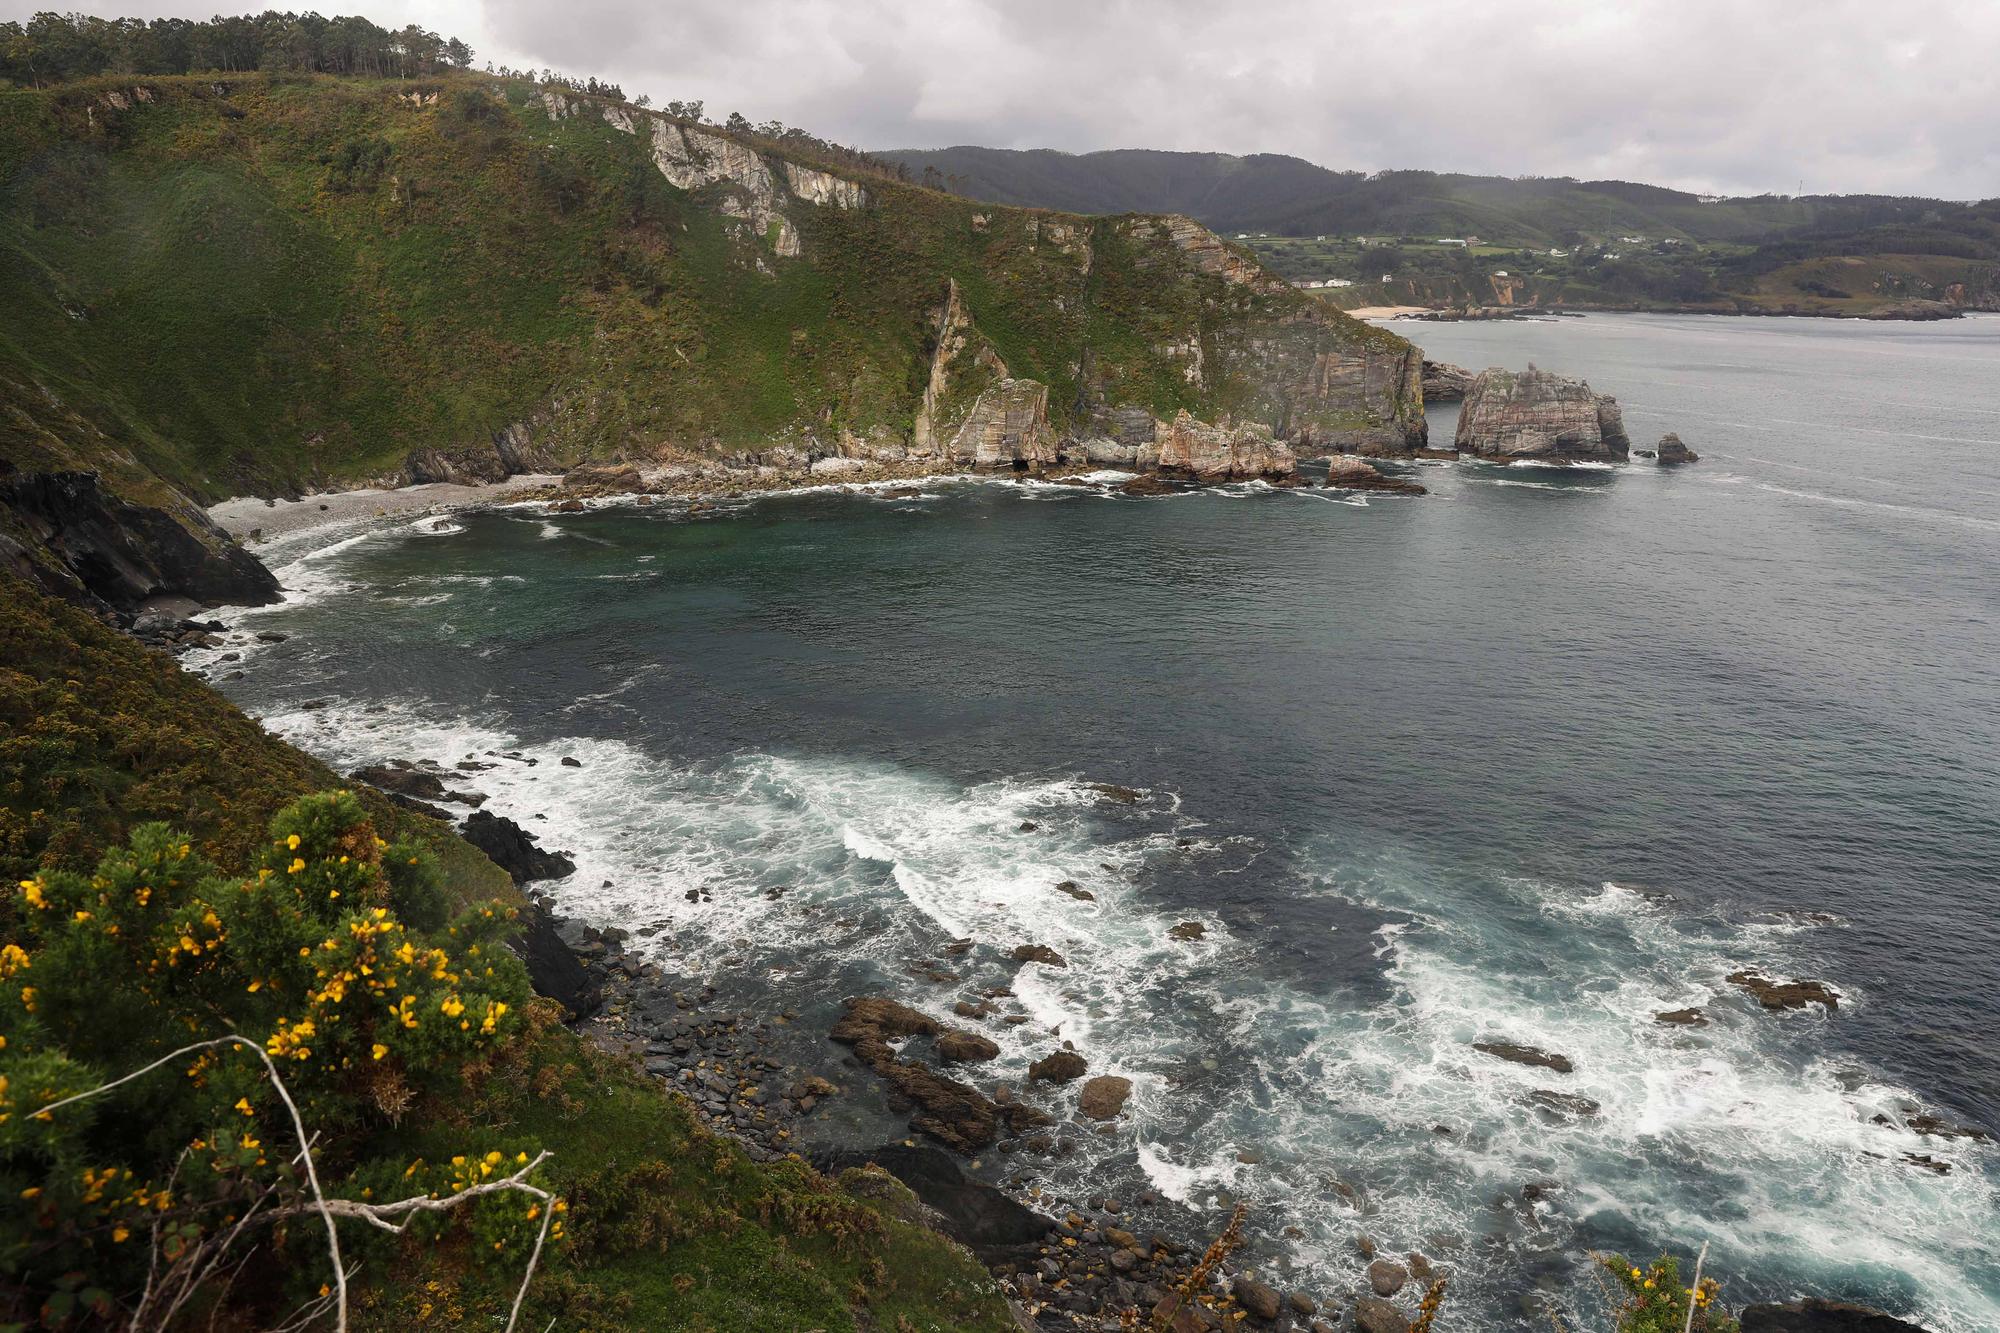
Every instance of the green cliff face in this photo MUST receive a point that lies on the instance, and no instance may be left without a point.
(259, 285)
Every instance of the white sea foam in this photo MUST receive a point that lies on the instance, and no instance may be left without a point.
(882, 865)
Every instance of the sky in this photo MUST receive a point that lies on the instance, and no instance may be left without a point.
(1721, 96)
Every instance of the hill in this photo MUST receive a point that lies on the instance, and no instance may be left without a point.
(258, 284)
(1448, 240)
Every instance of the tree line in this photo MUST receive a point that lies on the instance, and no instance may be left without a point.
(52, 48)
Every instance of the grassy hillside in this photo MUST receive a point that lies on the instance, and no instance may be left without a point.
(1559, 241)
(669, 1226)
(260, 283)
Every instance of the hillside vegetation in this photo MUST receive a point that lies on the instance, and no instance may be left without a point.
(1535, 240)
(266, 282)
(662, 1224)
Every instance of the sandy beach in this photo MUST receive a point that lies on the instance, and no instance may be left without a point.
(1387, 311)
(253, 520)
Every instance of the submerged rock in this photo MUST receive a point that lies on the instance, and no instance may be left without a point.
(1567, 1104)
(1686, 1018)
(1786, 994)
(1526, 1055)
(1039, 953)
(1813, 1315)
(1104, 1097)
(1354, 474)
(1537, 415)
(1387, 1277)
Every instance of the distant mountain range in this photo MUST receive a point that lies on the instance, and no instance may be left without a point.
(1289, 196)
(1533, 240)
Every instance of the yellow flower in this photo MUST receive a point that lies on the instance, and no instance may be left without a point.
(243, 1105)
(380, 1050)
(292, 842)
(33, 889)
(120, 1234)
(298, 864)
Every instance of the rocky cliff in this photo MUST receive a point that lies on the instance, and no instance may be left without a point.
(1535, 415)
(464, 277)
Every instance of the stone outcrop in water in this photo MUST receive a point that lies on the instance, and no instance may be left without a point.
(1356, 474)
(1813, 1315)
(1221, 452)
(1672, 451)
(1534, 414)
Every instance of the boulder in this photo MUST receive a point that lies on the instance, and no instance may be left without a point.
(1059, 1067)
(1813, 1315)
(1104, 1097)
(956, 1046)
(834, 467)
(1786, 994)
(1672, 451)
(1387, 1277)
(1347, 473)
(1261, 1301)
(1684, 1018)
(1188, 930)
(1076, 891)
(513, 848)
(621, 478)
(1039, 953)
(1526, 1055)
(1538, 415)
(1372, 1314)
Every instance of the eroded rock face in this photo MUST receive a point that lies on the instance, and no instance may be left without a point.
(1671, 451)
(513, 848)
(1445, 383)
(1008, 426)
(1222, 452)
(123, 554)
(1537, 415)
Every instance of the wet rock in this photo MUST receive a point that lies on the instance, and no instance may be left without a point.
(1261, 1301)
(513, 848)
(959, 1047)
(1813, 1315)
(1943, 1129)
(1058, 1067)
(1564, 1103)
(1538, 415)
(1387, 1277)
(1039, 953)
(403, 780)
(571, 506)
(271, 636)
(1686, 1018)
(1104, 1097)
(1076, 891)
(553, 967)
(1372, 1314)
(1926, 1162)
(1786, 994)
(950, 1111)
(1111, 791)
(977, 1215)
(1188, 930)
(569, 762)
(1671, 451)
(1357, 474)
(1526, 1055)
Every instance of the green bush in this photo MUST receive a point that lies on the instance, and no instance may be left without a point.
(1654, 1300)
(334, 955)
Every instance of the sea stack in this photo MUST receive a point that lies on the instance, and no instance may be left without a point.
(1535, 415)
(1672, 451)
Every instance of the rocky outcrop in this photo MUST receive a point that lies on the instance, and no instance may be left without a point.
(96, 547)
(1525, 1055)
(1786, 994)
(1536, 415)
(975, 1214)
(1672, 451)
(1357, 474)
(513, 848)
(1813, 1315)
(553, 966)
(952, 1112)
(1221, 452)
(1445, 383)
(1104, 1097)
(1008, 426)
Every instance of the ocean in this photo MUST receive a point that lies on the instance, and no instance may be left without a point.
(1529, 759)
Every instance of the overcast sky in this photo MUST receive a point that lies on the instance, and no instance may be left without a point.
(1736, 96)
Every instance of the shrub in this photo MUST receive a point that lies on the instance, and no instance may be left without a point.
(335, 955)
(1654, 1300)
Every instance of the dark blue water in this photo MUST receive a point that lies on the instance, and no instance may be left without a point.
(1530, 758)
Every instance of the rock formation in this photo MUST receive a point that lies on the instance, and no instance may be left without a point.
(1538, 415)
(1445, 383)
(1672, 451)
(1813, 1315)
(1354, 474)
(100, 549)
(1216, 453)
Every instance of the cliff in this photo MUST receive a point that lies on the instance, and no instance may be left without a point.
(269, 285)
(1534, 415)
